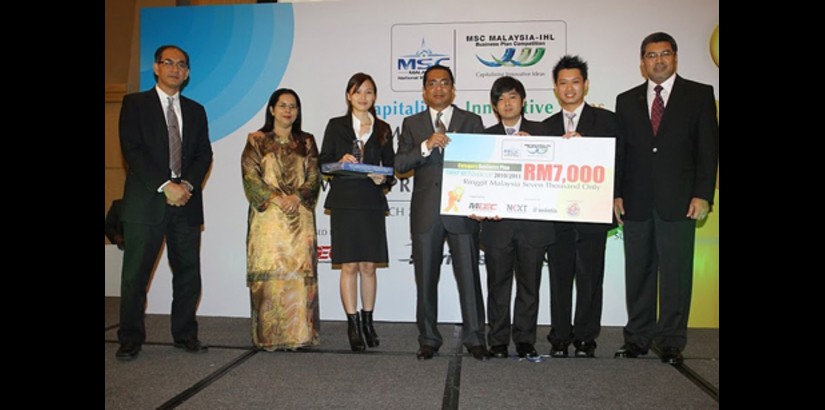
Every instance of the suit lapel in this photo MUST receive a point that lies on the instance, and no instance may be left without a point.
(188, 124)
(644, 111)
(428, 124)
(557, 124)
(585, 125)
(522, 127)
(158, 121)
(456, 121)
(349, 131)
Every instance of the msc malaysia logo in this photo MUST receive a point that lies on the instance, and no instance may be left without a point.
(422, 59)
(526, 58)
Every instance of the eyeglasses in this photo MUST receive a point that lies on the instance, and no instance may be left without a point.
(434, 83)
(664, 54)
(169, 63)
(287, 107)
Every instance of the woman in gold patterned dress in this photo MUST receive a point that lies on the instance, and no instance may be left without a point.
(281, 181)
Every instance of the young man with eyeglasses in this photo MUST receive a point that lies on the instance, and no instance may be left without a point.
(164, 137)
(421, 148)
(666, 175)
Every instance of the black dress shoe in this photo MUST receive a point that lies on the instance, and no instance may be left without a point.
(499, 351)
(585, 349)
(479, 352)
(425, 352)
(672, 355)
(192, 346)
(128, 351)
(558, 350)
(630, 351)
(526, 350)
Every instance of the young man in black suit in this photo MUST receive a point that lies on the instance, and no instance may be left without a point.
(578, 252)
(513, 246)
(165, 140)
(668, 155)
(421, 148)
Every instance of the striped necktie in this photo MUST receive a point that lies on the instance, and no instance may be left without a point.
(174, 139)
(658, 110)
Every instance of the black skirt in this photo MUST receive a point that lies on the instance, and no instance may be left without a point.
(358, 235)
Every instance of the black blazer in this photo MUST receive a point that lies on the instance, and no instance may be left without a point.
(356, 192)
(667, 170)
(499, 233)
(594, 122)
(426, 195)
(144, 141)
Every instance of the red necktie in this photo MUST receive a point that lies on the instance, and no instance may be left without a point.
(658, 109)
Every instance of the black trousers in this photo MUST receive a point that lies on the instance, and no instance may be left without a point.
(428, 248)
(658, 262)
(139, 258)
(579, 256)
(523, 260)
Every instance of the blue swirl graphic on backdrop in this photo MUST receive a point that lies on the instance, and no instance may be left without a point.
(238, 56)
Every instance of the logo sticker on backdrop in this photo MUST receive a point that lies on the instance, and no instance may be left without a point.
(416, 47)
(526, 58)
(524, 50)
(478, 52)
(415, 64)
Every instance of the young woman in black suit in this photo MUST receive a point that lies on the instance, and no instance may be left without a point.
(358, 204)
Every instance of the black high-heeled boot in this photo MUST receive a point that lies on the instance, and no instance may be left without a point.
(356, 338)
(369, 331)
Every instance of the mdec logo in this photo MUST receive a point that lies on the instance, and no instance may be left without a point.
(482, 206)
(524, 58)
(422, 59)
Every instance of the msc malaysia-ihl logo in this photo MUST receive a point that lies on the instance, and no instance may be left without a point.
(537, 149)
(526, 57)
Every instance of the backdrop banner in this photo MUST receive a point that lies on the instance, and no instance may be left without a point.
(240, 54)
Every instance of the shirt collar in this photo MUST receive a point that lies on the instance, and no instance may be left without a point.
(165, 97)
(517, 126)
(667, 85)
(577, 111)
(446, 116)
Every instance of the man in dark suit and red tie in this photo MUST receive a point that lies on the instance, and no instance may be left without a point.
(578, 252)
(164, 137)
(513, 247)
(421, 148)
(668, 156)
